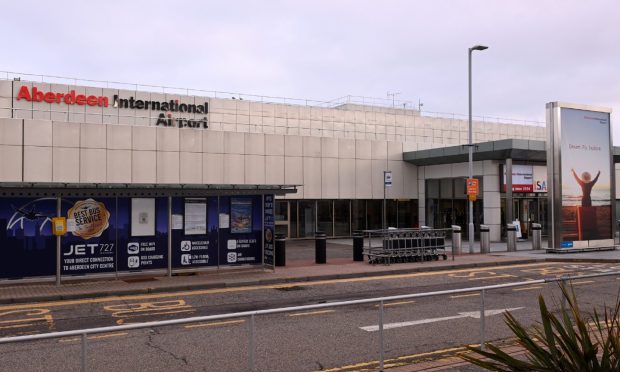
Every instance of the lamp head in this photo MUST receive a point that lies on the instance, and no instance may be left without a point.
(479, 47)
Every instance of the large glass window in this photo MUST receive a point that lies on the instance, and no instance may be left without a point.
(326, 217)
(307, 215)
(293, 220)
(432, 216)
(358, 214)
(302, 218)
(445, 186)
(407, 213)
(460, 190)
(392, 216)
(282, 220)
(432, 189)
(374, 214)
(445, 214)
(341, 218)
(281, 210)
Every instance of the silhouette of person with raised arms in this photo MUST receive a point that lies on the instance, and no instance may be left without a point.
(586, 182)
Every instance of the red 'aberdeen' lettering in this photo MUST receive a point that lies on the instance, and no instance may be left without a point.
(69, 98)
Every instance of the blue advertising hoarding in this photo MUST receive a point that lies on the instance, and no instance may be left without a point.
(240, 238)
(269, 231)
(123, 234)
(27, 246)
(145, 248)
(90, 243)
(194, 232)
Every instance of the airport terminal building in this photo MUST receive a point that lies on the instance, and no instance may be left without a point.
(153, 169)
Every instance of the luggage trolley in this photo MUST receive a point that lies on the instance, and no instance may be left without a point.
(406, 245)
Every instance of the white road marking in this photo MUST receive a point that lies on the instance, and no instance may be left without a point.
(468, 314)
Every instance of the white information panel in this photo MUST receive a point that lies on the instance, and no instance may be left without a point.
(143, 217)
(195, 216)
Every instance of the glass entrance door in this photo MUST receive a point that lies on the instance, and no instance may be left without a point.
(529, 211)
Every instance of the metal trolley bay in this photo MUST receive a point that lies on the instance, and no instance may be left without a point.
(405, 245)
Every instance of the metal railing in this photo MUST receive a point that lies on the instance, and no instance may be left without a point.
(369, 103)
(329, 130)
(83, 333)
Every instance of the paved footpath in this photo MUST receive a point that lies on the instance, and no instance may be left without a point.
(300, 267)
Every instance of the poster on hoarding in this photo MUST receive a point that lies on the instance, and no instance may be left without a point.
(149, 250)
(195, 216)
(240, 215)
(142, 217)
(586, 175)
(195, 245)
(91, 246)
(584, 188)
(242, 243)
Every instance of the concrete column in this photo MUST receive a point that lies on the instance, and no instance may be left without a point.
(421, 200)
(509, 213)
(491, 197)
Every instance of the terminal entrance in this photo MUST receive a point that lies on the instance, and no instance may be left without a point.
(527, 209)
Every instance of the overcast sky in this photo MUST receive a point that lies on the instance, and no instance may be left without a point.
(539, 51)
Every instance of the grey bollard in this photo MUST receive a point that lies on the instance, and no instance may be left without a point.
(280, 256)
(536, 236)
(485, 239)
(358, 246)
(456, 240)
(511, 237)
(320, 247)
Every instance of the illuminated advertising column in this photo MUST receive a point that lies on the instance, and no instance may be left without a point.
(581, 176)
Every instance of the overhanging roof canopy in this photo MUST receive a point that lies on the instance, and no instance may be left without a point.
(18, 189)
(516, 149)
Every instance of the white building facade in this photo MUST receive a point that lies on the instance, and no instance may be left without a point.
(335, 153)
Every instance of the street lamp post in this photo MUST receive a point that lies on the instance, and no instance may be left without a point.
(471, 153)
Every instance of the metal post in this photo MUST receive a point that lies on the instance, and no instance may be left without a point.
(381, 356)
(482, 336)
(470, 151)
(384, 209)
(251, 343)
(84, 356)
(58, 244)
(509, 211)
(563, 289)
(170, 236)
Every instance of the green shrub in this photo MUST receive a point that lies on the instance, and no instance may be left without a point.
(570, 341)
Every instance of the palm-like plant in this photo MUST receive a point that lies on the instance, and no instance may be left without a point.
(569, 342)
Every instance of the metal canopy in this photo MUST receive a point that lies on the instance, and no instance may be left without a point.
(20, 189)
(516, 149)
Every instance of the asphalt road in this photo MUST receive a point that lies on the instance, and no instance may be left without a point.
(337, 339)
